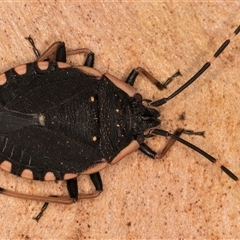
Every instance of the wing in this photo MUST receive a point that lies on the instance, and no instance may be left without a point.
(37, 90)
(41, 150)
(28, 146)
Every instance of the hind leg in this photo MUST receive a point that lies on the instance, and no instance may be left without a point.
(57, 52)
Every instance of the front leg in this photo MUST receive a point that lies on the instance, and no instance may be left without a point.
(133, 75)
(160, 154)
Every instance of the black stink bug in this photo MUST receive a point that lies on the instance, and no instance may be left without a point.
(58, 121)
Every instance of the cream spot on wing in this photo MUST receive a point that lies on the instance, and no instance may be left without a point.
(41, 119)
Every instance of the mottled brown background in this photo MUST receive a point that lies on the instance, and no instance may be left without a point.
(183, 196)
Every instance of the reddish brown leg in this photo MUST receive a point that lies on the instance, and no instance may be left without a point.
(57, 52)
(132, 77)
(169, 144)
(171, 141)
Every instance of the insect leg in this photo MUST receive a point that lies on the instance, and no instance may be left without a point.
(132, 77)
(61, 53)
(171, 141)
(56, 52)
(72, 188)
(152, 154)
(195, 148)
(89, 62)
(97, 181)
(144, 148)
(43, 209)
(53, 199)
(35, 50)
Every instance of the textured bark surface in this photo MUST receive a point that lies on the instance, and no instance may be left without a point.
(181, 196)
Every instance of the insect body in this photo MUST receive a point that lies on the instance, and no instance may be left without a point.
(59, 121)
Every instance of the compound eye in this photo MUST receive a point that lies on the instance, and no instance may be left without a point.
(138, 97)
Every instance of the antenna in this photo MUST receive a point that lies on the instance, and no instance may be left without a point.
(198, 74)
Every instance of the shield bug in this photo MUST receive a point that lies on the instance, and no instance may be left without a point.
(58, 121)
